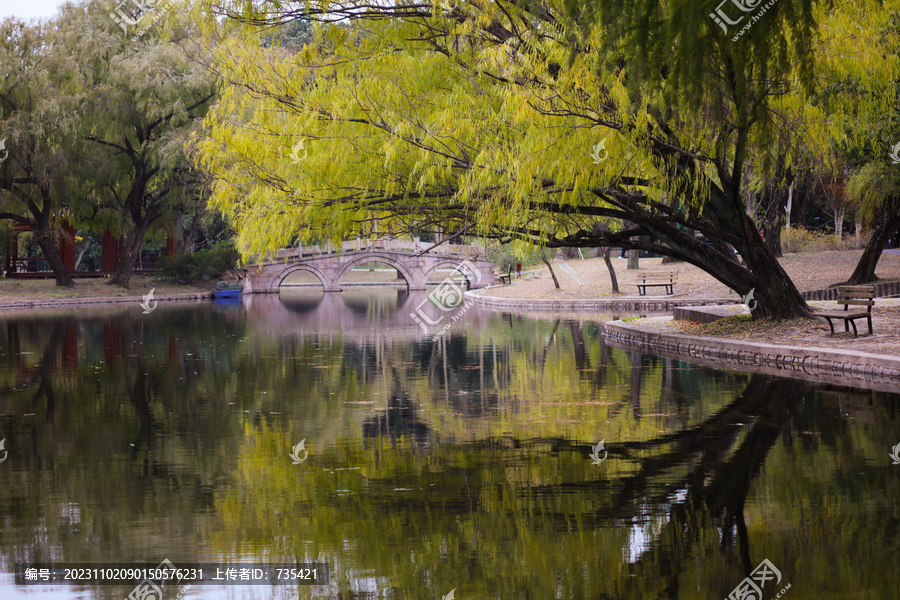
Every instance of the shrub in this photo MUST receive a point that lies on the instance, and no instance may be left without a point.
(798, 239)
(206, 263)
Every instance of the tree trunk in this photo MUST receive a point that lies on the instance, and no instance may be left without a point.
(777, 296)
(132, 248)
(633, 260)
(668, 260)
(612, 271)
(552, 274)
(865, 268)
(44, 237)
(85, 244)
(787, 208)
(772, 225)
(839, 223)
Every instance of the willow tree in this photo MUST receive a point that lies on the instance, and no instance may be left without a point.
(518, 121)
(139, 102)
(37, 118)
(862, 89)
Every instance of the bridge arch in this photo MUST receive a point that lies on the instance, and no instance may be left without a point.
(408, 273)
(450, 262)
(293, 268)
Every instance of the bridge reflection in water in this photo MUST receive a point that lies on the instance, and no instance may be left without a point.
(469, 453)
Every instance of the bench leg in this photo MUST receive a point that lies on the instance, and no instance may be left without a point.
(847, 326)
(852, 322)
(870, 325)
(830, 324)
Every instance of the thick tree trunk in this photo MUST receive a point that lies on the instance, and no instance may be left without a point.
(633, 260)
(132, 248)
(777, 296)
(44, 238)
(549, 266)
(612, 271)
(865, 268)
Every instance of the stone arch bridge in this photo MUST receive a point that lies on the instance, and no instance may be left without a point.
(330, 265)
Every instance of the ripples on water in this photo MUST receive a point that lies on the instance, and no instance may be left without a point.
(434, 464)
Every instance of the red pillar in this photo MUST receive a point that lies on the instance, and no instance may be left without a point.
(67, 246)
(13, 256)
(112, 252)
(70, 349)
(111, 347)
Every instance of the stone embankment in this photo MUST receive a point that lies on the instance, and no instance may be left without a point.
(58, 302)
(841, 367)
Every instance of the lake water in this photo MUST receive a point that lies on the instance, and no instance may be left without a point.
(457, 466)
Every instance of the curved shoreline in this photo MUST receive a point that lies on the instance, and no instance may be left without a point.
(629, 303)
(840, 367)
(58, 302)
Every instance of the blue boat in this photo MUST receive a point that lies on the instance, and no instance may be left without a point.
(227, 294)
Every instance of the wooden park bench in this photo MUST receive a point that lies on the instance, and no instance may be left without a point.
(666, 280)
(858, 295)
(506, 279)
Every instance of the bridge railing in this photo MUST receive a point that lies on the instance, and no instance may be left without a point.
(363, 245)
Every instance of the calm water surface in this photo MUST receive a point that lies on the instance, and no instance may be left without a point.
(458, 463)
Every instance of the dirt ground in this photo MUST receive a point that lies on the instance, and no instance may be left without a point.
(94, 287)
(810, 271)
